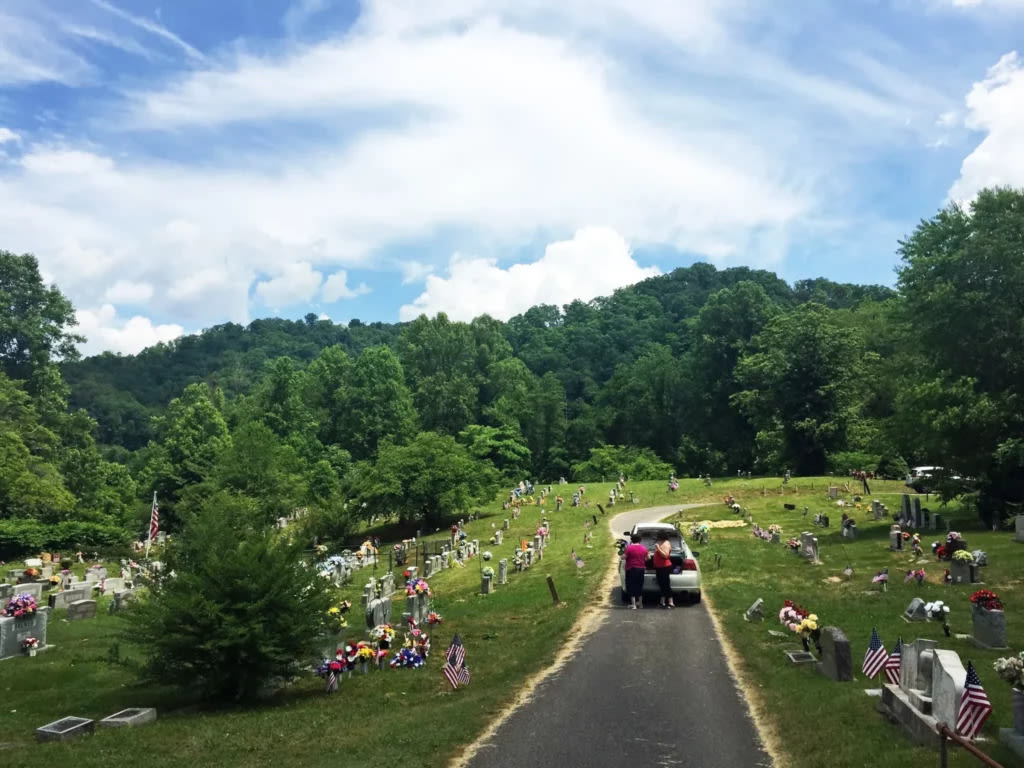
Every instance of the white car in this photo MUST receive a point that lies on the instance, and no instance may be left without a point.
(685, 576)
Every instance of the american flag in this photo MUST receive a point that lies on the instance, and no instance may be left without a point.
(892, 665)
(974, 706)
(154, 519)
(875, 656)
(455, 670)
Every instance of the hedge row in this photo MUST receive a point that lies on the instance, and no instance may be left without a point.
(19, 537)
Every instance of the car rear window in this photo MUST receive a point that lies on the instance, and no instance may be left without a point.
(650, 538)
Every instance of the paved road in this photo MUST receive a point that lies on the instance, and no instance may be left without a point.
(648, 688)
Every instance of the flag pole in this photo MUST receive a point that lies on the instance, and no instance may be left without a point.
(149, 536)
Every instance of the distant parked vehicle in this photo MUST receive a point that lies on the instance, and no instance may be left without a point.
(929, 479)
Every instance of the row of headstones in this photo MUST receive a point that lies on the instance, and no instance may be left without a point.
(913, 515)
(534, 552)
(36, 589)
(436, 563)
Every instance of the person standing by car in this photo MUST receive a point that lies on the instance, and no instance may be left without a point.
(635, 555)
(663, 568)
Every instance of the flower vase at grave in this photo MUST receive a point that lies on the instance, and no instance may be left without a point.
(32, 651)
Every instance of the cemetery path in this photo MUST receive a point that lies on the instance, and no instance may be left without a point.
(648, 687)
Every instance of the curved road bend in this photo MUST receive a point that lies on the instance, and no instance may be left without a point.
(649, 687)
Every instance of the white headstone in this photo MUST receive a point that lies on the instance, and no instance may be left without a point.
(948, 678)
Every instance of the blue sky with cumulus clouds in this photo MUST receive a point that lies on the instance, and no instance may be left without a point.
(183, 163)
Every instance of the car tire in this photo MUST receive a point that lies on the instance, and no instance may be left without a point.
(624, 596)
(695, 597)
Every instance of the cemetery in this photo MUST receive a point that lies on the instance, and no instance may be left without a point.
(797, 602)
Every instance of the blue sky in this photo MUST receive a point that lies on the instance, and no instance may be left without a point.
(179, 164)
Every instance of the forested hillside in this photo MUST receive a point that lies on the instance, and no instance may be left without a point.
(697, 371)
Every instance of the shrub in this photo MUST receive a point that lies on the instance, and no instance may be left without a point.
(893, 467)
(841, 462)
(19, 536)
(240, 610)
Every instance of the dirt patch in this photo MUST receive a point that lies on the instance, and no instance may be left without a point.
(833, 580)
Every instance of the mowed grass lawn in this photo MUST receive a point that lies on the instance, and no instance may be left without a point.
(413, 716)
(817, 721)
(392, 717)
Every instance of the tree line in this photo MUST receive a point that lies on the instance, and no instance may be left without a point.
(697, 371)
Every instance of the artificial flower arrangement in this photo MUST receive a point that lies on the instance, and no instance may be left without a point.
(775, 529)
(55, 580)
(417, 587)
(801, 621)
(488, 571)
(383, 633)
(940, 551)
(332, 670)
(407, 574)
(918, 574)
(336, 620)
(963, 556)
(21, 606)
(793, 544)
(906, 535)
(407, 658)
(987, 600)
(1011, 669)
(30, 643)
(320, 550)
(32, 573)
(434, 618)
(418, 640)
(791, 615)
(882, 577)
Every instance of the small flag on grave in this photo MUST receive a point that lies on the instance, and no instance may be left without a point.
(974, 706)
(455, 670)
(874, 657)
(892, 664)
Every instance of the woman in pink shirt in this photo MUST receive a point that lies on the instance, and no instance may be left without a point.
(636, 559)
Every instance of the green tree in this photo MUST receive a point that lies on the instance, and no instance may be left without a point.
(606, 462)
(426, 481)
(800, 379)
(258, 465)
(376, 404)
(961, 279)
(502, 446)
(34, 320)
(240, 612)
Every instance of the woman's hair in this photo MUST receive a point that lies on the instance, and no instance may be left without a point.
(635, 538)
(662, 535)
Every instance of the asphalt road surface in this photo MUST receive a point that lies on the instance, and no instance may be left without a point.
(649, 688)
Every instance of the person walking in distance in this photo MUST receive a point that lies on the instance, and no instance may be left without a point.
(636, 559)
(663, 568)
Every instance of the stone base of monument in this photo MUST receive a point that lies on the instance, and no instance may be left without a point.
(896, 705)
(129, 717)
(1013, 739)
(65, 728)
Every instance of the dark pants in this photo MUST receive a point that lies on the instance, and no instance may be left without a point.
(663, 582)
(635, 582)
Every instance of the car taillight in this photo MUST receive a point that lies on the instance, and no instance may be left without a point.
(689, 564)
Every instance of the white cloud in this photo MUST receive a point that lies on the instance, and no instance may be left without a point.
(414, 271)
(988, 3)
(947, 119)
(594, 263)
(298, 282)
(336, 287)
(127, 292)
(6, 135)
(300, 12)
(150, 26)
(104, 330)
(995, 106)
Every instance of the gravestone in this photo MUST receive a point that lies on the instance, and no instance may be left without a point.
(904, 508)
(65, 728)
(800, 657)
(14, 631)
(1019, 525)
(895, 538)
(503, 571)
(959, 572)
(111, 585)
(915, 611)
(129, 718)
(504, 524)
(756, 611)
(63, 599)
(916, 667)
(936, 523)
(36, 590)
(850, 530)
(876, 509)
(378, 611)
(95, 574)
(917, 519)
(833, 492)
(6, 592)
(486, 585)
(809, 546)
(989, 628)
(387, 584)
(46, 571)
(836, 659)
(123, 599)
(498, 537)
(776, 538)
(428, 568)
(81, 609)
(948, 678)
